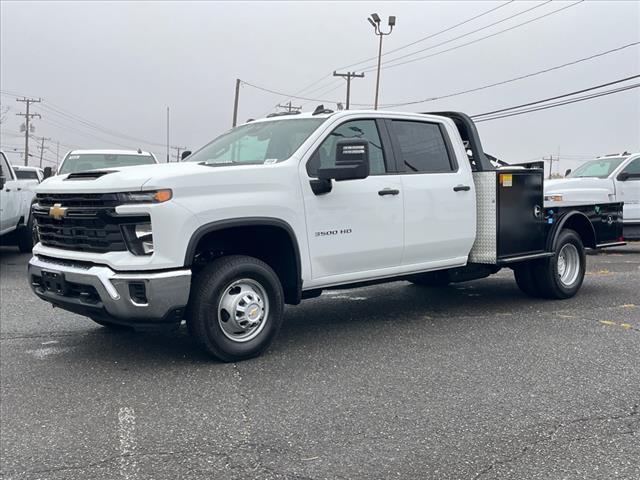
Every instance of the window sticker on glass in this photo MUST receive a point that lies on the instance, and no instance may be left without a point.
(269, 161)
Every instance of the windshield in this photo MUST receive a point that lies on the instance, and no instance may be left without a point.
(263, 142)
(600, 168)
(91, 161)
(26, 175)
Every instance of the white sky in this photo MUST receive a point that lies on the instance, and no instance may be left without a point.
(120, 64)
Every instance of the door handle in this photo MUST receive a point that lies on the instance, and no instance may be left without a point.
(18, 188)
(461, 188)
(388, 191)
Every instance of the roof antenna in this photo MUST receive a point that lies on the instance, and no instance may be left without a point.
(139, 150)
(320, 109)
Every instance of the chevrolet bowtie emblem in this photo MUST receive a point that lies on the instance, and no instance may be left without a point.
(58, 211)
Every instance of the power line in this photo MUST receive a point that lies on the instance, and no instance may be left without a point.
(86, 134)
(557, 96)
(78, 119)
(561, 103)
(468, 33)
(68, 116)
(400, 48)
(368, 69)
(275, 92)
(521, 77)
(430, 36)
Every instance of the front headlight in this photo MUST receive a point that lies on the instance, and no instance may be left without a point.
(556, 197)
(152, 196)
(139, 238)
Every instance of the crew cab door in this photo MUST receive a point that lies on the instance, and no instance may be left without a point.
(9, 197)
(439, 194)
(628, 191)
(355, 230)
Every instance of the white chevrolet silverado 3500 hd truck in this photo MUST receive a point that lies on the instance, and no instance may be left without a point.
(278, 209)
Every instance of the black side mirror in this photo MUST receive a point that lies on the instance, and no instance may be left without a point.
(352, 161)
(567, 172)
(48, 172)
(185, 154)
(3, 180)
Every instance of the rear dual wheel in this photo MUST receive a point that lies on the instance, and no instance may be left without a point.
(556, 277)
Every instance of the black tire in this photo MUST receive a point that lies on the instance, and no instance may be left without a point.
(25, 236)
(207, 290)
(431, 279)
(546, 272)
(526, 280)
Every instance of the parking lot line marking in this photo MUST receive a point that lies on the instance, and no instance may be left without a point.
(607, 322)
(626, 326)
(127, 437)
(42, 353)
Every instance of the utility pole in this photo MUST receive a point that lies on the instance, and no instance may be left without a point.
(42, 139)
(28, 116)
(374, 20)
(57, 154)
(551, 160)
(289, 107)
(178, 149)
(235, 103)
(167, 134)
(348, 76)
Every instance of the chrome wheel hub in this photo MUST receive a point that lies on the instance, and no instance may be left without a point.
(243, 309)
(568, 264)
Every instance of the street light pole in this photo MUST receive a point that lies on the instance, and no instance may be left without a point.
(374, 20)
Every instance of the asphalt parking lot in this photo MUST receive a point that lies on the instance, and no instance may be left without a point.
(393, 381)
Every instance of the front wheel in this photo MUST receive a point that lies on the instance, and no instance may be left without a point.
(236, 307)
(561, 276)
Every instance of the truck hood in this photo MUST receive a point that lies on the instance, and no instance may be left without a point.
(582, 189)
(123, 179)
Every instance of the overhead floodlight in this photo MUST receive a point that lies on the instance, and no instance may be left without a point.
(392, 21)
(376, 17)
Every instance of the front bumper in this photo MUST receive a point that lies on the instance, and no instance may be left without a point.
(136, 299)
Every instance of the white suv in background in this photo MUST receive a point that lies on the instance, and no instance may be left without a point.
(612, 178)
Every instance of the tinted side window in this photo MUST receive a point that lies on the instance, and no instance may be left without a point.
(633, 167)
(422, 147)
(26, 175)
(325, 155)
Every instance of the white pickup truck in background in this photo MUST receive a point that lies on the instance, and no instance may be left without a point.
(613, 178)
(83, 160)
(16, 197)
(33, 175)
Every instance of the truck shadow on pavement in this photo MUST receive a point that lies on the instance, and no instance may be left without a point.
(364, 316)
